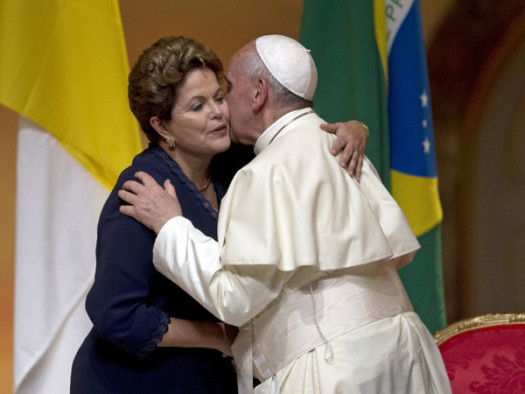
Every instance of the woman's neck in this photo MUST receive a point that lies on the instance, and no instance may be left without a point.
(196, 168)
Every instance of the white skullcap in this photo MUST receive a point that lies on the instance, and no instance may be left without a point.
(290, 63)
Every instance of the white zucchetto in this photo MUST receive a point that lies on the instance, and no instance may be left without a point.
(290, 63)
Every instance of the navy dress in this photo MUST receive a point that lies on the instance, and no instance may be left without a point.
(130, 303)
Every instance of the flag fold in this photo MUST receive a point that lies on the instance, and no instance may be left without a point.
(63, 68)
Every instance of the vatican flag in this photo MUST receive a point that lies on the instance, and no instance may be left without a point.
(63, 68)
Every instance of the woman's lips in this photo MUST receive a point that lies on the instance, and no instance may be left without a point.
(219, 130)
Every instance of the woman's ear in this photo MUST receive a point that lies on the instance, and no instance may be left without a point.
(159, 127)
(261, 93)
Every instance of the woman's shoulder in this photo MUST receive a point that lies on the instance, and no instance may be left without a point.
(151, 160)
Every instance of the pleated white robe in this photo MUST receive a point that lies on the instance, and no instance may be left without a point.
(296, 230)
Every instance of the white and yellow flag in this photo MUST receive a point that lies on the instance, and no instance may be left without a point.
(63, 68)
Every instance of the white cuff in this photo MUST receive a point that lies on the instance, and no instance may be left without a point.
(188, 258)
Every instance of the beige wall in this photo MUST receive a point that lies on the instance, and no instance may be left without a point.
(223, 25)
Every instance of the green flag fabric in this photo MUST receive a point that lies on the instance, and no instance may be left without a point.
(370, 57)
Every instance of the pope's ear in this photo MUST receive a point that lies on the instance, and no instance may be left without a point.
(261, 88)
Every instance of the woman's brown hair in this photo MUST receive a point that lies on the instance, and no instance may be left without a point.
(160, 70)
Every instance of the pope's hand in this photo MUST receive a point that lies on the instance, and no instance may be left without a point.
(149, 203)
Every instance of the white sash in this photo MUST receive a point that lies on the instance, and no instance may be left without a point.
(307, 317)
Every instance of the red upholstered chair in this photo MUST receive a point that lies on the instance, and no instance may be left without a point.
(485, 354)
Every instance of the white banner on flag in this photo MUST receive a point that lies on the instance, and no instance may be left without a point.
(58, 205)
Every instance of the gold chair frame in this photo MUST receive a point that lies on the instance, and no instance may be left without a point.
(474, 323)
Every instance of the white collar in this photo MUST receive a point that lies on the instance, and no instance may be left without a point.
(276, 127)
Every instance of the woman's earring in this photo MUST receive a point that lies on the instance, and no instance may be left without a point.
(171, 143)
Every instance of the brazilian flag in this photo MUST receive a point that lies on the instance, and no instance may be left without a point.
(372, 67)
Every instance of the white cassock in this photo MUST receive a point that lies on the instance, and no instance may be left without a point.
(306, 265)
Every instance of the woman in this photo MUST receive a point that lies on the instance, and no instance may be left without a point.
(148, 335)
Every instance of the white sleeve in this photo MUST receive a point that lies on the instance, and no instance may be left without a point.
(190, 259)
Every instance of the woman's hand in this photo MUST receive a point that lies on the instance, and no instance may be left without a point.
(229, 333)
(200, 334)
(149, 203)
(352, 137)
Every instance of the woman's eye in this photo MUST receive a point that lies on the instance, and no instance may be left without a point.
(219, 100)
(196, 108)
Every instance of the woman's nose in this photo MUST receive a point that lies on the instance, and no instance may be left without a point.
(216, 110)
